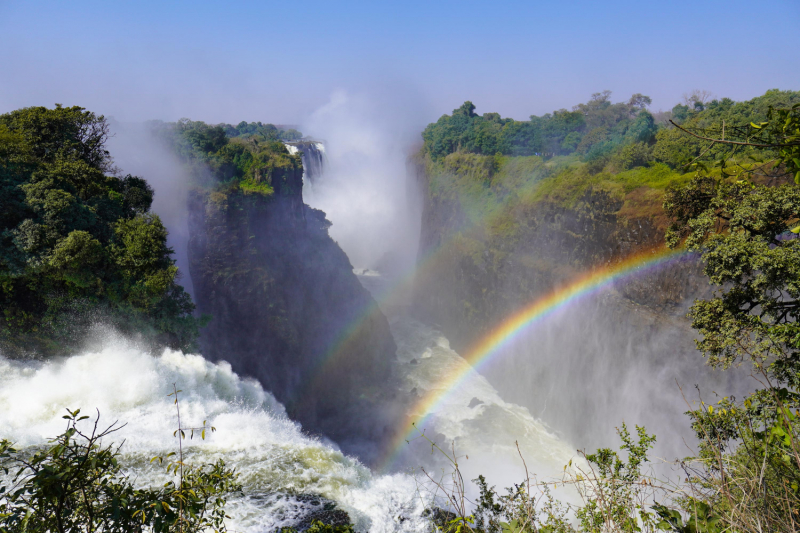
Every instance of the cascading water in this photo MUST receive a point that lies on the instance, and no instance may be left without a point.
(313, 155)
(286, 475)
(473, 420)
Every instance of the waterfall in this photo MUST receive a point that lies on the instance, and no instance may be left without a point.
(314, 160)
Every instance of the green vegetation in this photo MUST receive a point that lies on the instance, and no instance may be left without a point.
(593, 128)
(320, 527)
(597, 129)
(598, 145)
(268, 131)
(744, 221)
(78, 244)
(749, 472)
(76, 484)
(250, 157)
(495, 212)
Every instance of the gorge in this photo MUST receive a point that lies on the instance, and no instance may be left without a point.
(534, 309)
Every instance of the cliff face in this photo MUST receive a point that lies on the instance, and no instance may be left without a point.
(283, 296)
(492, 244)
(495, 243)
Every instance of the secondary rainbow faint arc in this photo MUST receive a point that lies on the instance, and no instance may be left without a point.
(330, 356)
(491, 344)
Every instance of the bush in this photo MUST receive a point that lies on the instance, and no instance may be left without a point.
(76, 484)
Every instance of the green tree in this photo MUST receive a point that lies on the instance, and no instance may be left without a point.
(78, 244)
(746, 232)
(675, 148)
(643, 128)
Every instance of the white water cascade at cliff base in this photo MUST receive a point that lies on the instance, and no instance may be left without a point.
(276, 461)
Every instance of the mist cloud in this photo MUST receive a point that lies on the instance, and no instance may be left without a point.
(366, 191)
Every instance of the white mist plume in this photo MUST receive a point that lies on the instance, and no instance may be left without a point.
(137, 151)
(365, 191)
(587, 369)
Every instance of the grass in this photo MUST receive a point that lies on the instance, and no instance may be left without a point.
(250, 186)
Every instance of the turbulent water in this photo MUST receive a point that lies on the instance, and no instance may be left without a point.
(276, 461)
(473, 420)
(286, 474)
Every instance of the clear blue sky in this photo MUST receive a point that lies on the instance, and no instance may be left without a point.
(279, 61)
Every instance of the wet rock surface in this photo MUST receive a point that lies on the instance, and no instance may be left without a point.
(287, 310)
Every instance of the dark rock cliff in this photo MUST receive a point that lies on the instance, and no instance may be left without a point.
(481, 268)
(284, 298)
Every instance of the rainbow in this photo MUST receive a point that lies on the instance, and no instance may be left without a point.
(492, 344)
(405, 282)
(338, 347)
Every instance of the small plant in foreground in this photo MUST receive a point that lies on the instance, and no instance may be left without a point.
(320, 527)
(76, 484)
(617, 496)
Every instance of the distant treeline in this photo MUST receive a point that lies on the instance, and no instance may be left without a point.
(598, 128)
(251, 155)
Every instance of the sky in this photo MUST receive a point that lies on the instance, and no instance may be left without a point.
(279, 62)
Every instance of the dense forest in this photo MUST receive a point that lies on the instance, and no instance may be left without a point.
(624, 134)
(79, 244)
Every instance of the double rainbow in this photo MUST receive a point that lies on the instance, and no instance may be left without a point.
(492, 344)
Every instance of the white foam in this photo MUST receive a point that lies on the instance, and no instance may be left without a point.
(275, 459)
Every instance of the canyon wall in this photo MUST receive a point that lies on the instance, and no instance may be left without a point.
(499, 233)
(283, 298)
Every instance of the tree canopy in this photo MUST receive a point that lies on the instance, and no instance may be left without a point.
(79, 244)
(744, 220)
(591, 125)
(250, 157)
(599, 130)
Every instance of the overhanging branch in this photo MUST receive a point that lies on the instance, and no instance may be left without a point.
(737, 143)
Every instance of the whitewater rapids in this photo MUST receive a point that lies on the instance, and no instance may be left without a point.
(276, 461)
(287, 475)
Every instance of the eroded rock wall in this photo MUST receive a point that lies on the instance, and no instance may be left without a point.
(617, 355)
(477, 269)
(287, 309)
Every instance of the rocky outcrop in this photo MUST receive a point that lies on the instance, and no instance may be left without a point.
(287, 309)
(480, 266)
